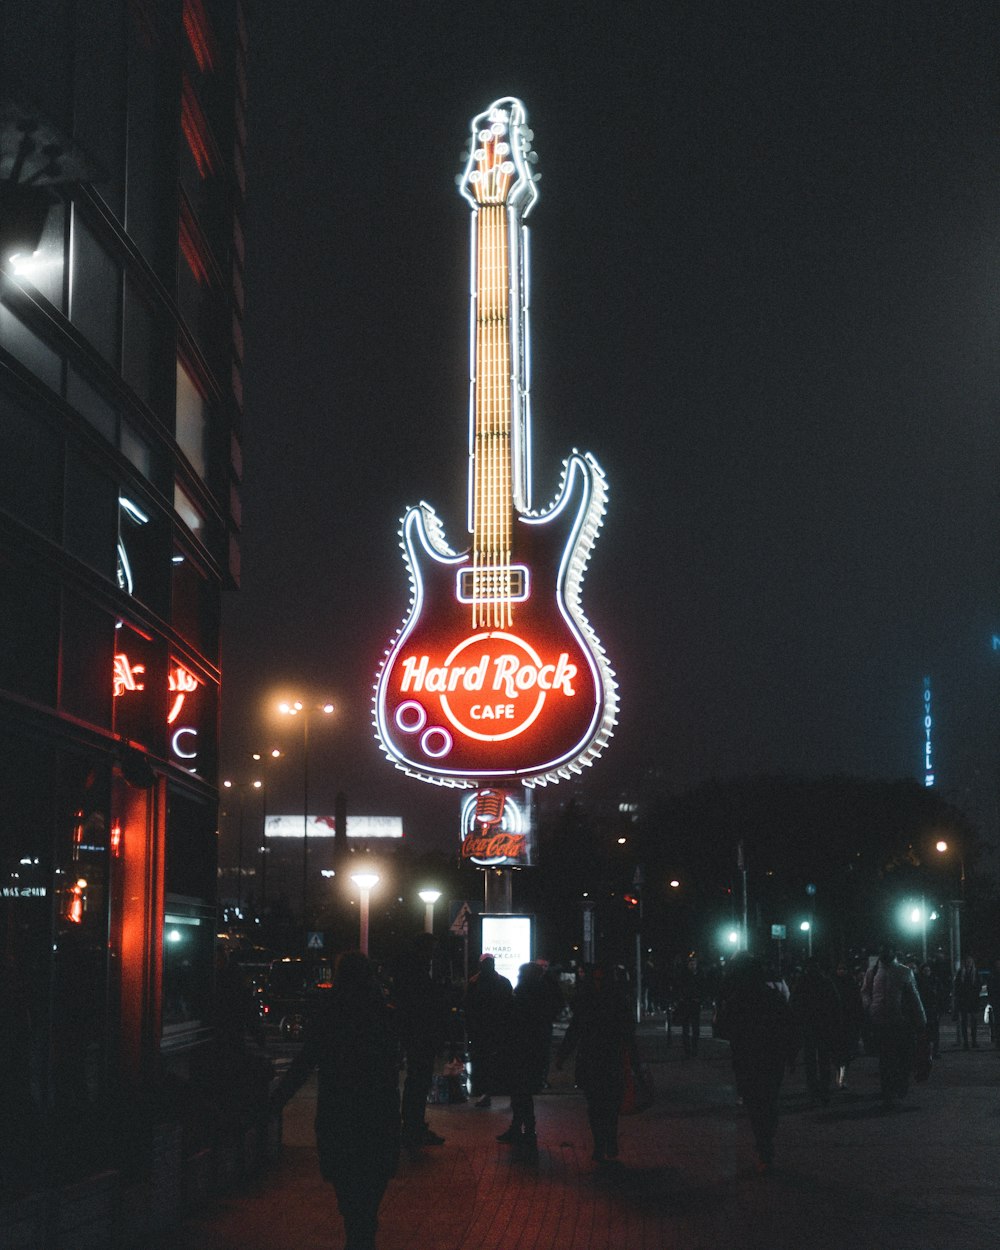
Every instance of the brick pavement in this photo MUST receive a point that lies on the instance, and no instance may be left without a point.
(849, 1176)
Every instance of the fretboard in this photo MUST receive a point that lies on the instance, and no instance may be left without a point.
(493, 509)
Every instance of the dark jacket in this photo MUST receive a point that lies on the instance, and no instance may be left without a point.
(760, 1028)
(353, 1044)
(815, 1007)
(967, 989)
(529, 1034)
(488, 999)
(602, 1032)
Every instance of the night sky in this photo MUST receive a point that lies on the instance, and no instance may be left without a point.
(764, 295)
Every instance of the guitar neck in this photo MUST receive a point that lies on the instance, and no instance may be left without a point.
(500, 190)
(492, 485)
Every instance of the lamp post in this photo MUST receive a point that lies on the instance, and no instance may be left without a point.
(298, 708)
(955, 930)
(429, 898)
(366, 882)
(256, 784)
(807, 929)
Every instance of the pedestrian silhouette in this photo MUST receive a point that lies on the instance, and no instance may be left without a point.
(967, 1000)
(602, 1033)
(422, 1024)
(760, 1029)
(352, 1043)
(895, 1016)
(488, 999)
(526, 1057)
(815, 1007)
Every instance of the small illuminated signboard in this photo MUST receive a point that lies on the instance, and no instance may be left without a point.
(509, 940)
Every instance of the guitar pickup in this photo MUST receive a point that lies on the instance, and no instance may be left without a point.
(493, 584)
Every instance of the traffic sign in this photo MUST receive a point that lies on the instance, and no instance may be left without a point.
(460, 920)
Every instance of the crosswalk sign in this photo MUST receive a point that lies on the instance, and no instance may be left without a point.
(460, 924)
(314, 942)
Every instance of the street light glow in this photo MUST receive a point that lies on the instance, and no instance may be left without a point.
(428, 896)
(805, 926)
(365, 880)
(941, 846)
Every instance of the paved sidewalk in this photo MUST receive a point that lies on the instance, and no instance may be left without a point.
(849, 1176)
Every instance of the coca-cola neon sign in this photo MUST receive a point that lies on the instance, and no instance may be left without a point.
(497, 829)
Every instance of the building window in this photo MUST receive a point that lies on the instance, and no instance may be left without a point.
(194, 608)
(44, 270)
(95, 293)
(90, 527)
(29, 633)
(89, 403)
(30, 469)
(88, 637)
(137, 451)
(25, 345)
(138, 367)
(191, 421)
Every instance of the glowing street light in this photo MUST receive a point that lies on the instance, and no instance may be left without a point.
(366, 882)
(807, 929)
(429, 898)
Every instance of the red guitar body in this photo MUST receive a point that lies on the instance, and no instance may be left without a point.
(458, 704)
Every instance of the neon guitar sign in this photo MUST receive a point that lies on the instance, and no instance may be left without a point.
(496, 672)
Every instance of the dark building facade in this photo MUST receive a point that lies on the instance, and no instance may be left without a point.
(121, 303)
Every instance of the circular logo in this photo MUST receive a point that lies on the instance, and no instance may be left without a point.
(502, 689)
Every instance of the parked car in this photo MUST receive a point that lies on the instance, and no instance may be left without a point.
(288, 991)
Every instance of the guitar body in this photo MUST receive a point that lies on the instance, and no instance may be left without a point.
(534, 700)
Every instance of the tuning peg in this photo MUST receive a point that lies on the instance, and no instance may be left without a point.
(528, 133)
(532, 157)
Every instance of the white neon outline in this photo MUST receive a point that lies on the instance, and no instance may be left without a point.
(410, 729)
(494, 568)
(449, 742)
(184, 755)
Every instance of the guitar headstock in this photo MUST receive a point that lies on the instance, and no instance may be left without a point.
(498, 169)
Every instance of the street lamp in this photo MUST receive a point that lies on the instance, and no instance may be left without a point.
(955, 932)
(807, 929)
(429, 898)
(366, 882)
(256, 784)
(298, 708)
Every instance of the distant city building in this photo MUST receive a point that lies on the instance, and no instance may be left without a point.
(122, 140)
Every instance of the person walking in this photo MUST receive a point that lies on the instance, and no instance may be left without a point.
(352, 1043)
(815, 1007)
(993, 998)
(526, 1057)
(760, 1029)
(690, 991)
(421, 1022)
(852, 1019)
(967, 1000)
(602, 1032)
(488, 1000)
(895, 1015)
(927, 988)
